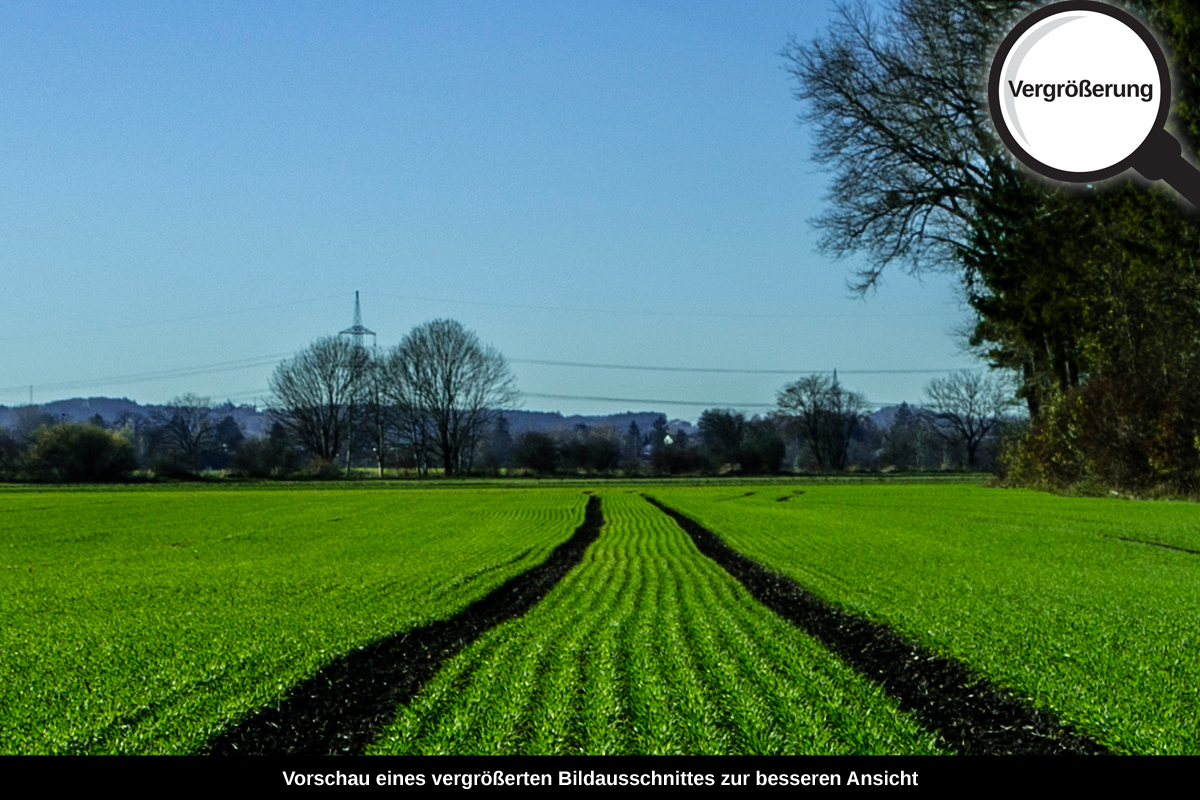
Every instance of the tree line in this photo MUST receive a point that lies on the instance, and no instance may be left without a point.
(429, 400)
(428, 403)
(818, 425)
(1085, 294)
(343, 414)
(437, 400)
(187, 435)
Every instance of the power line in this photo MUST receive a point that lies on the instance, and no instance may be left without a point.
(135, 325)
(636, 400)
(541, 396)
(639, 312)
(696, 403)
(267, 360)
(458, 301)
(255, 393)
(146, 377)
(247, 395)
(724, 371)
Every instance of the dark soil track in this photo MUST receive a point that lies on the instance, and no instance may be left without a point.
(1156, 544)
(970, 716)
(344, 706)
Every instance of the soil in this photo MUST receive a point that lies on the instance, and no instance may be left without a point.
(969, 715)
(343, 707)
(1156, 544)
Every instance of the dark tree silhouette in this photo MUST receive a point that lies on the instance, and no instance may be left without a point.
(315, 394)
(965, 407)
(721, 431)
(188, 426)
(449, 389)
(822, 415)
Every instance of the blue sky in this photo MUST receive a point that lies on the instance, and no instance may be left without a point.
(190, 191)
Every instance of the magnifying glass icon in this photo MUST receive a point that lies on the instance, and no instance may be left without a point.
(1080, 91)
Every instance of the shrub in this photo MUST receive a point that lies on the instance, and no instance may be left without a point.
(322, 469)
(1103, 435)
(272, 457)
(677, 460)
(75, 452)
(537, 451)
(10, 455)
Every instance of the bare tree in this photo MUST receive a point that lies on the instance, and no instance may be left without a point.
(966, 406)
(899, 109)
(822, 415)
(375, 411)
(448, 388)
(895, 94)
(801, 412)
(410, 420)
(315, 394)
(189, 427)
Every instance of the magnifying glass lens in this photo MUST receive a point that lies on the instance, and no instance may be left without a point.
(1080, 91)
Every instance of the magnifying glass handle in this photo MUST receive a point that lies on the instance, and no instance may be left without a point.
(1159, 159)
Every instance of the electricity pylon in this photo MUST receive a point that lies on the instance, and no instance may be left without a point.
(357, 331)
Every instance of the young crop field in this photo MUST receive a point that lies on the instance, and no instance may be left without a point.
(507, 620)
(147, 620)
(649, 647)
(1089, 608)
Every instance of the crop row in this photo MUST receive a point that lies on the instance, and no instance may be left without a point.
(649, 647)
(147, 622)
(1073, 605)
(153, 621)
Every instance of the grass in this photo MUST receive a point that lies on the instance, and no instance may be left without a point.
(145, 621)
(649, 647)
(1035, 592)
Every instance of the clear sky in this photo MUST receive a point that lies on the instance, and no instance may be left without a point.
(189, 192)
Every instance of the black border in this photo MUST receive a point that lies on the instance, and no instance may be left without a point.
(1134, 24)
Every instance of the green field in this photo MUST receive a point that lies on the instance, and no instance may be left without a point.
(1033, 591)
(649, 647)
(145, 621)
(151, 619)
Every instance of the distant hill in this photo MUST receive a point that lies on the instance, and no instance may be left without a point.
(523, 421)
(884, 416)
(252, 421)
(115, 411)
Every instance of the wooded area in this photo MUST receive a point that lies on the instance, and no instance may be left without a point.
(1089, 294)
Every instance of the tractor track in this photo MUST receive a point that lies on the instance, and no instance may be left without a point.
(970, 715)
(340, 709)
